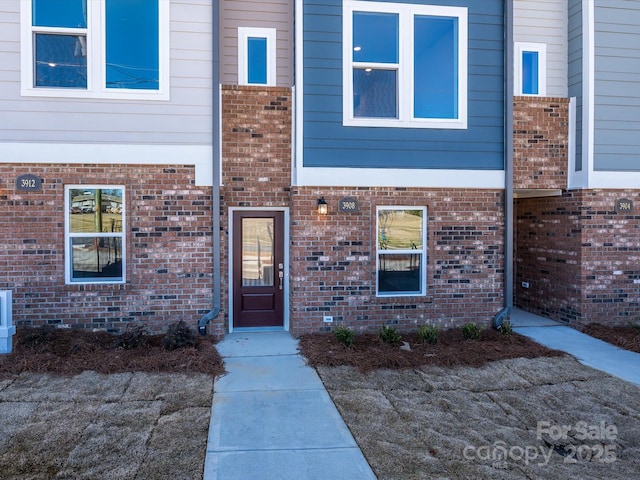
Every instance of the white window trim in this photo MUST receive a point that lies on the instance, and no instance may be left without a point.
(541, 49)
(405, 68)
(96, 70)
(244, 33)
(423, 252)
(68, 267)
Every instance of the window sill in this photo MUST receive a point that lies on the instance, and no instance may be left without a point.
(115, 94)
(455, 124)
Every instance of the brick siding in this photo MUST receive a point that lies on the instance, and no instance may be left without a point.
(168, 256)
(333, 259)
(256, 157)
(540, 142)
(580, 257)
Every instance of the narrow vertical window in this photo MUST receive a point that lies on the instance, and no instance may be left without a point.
(436, 89)
(530, 74)
(257, 60)
(132, 35)
(256, 56)
(401, 257)
(95, 238)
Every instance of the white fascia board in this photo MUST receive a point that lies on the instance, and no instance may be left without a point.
(614, 180)
(113, 154)
(395, 177)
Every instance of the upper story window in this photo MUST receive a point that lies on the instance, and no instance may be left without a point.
(95, 48)
(94, 234)
(530, 74)
(404, 65)
(256, 56)
(402, 251)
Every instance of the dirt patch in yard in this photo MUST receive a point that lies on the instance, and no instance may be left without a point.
(369, 352)
(93, 405)
(121, 426)
(542, 418)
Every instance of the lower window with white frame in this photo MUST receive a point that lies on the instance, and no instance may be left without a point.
(401, 257)
(94, 234)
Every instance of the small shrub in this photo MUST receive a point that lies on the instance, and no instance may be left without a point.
(389, 335)
(428, 334)
(506, 329)
(179, 335)
(345, 335)
(470, 331)
(134, 336)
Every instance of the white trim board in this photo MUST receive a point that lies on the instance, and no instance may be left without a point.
(395, 177)
(117, 154)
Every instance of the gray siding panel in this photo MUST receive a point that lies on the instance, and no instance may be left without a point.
(328, 144)
(575, 69)
(276, 14)
(185, 119)
(616, 101)
(545, 21)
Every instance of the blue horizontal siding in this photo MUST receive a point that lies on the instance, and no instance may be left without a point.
(326, 143)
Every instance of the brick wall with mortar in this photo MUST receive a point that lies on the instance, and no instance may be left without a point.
(168, 256)
(580, 257)
(256, 157)
(540, 142)
(548, 256)
(333, 259)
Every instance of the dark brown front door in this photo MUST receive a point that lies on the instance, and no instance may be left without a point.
(258, 269)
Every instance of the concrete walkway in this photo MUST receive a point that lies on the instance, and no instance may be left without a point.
(587, 350)
(272, 418)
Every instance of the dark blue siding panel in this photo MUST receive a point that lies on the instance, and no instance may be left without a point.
(326, 143)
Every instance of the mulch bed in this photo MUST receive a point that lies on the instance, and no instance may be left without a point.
(70, 352)
(623, 337)
(369, 352)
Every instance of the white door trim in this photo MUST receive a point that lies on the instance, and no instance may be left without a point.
(231, 211)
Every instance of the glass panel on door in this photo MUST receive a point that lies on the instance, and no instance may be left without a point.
(257, 252)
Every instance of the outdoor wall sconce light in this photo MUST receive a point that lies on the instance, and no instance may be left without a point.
(323, 208)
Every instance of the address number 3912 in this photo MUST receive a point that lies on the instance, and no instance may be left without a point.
(28, 183)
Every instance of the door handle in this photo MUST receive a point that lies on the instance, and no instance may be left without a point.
(280, 276)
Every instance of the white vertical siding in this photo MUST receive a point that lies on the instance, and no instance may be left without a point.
(545, 21)
(276, 14)
(186, 119)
